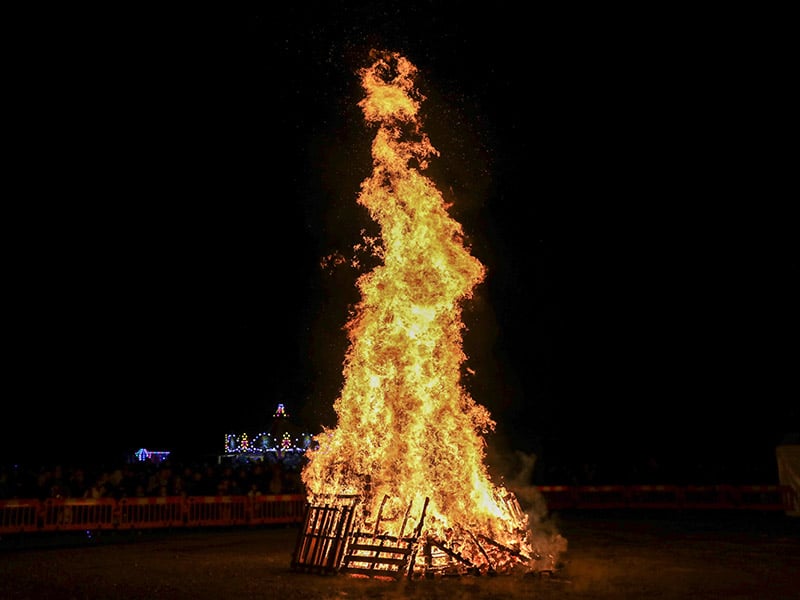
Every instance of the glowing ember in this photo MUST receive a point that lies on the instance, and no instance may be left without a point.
(409, 443)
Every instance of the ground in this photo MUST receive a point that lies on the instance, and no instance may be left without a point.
(665, 555)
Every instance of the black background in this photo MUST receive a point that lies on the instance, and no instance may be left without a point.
(179, 180)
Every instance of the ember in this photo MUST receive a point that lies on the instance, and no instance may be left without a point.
(400, 485)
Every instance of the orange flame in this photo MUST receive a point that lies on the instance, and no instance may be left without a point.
(407, 429)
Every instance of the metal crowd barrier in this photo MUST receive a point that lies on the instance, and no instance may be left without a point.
(71, 514)
(148, 513)
(79, 514)
(19, 515)
(689, 497)
(269, 510)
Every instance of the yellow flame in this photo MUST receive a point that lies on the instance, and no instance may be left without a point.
(407, 428)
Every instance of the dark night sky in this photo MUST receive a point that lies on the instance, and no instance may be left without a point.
(620, 179)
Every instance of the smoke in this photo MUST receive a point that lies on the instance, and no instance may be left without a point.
(545, 538)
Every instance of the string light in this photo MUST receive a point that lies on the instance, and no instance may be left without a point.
(264, 443)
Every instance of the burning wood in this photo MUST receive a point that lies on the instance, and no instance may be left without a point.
(455, 559)
(408, 433)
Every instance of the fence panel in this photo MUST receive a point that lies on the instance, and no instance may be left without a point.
(762, 497)
(75, 514)
(558, 497)
(655, 496)
(146, 513)
(217, 510)
(287, 508)
(705, 496)
(602, 496)
(17, 516)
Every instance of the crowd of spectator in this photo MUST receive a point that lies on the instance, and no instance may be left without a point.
(212, 477)
(138, 479)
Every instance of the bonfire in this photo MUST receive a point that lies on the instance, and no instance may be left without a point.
(400, 486)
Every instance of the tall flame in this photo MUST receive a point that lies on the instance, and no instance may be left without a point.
(408, 431)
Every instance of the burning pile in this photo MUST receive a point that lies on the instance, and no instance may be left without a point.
(408, 452)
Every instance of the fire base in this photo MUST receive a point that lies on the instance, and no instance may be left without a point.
(333, 539)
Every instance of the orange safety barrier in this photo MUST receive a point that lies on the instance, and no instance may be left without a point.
(602, 496)
(277, 509)
(32, 515)
(217, 510)
(145, 513)
(743, 497)
(17, 516)
(655, 496)
(763, 497)
(558, 497)
(71, 514)
(706, 496)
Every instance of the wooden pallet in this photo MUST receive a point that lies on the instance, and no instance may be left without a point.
(383, 555)
(322, 538)
(327, 543)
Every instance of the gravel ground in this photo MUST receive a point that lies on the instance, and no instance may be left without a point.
(609, 555)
